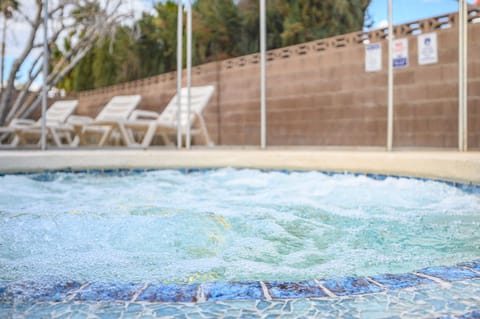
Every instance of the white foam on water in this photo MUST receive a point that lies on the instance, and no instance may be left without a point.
(228, 224)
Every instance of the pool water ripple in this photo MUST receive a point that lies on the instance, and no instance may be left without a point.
(229, 225)
(209, 243)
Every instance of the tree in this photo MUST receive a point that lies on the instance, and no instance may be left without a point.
(166, 22)
(294, 21)
(7, 8)
(82, 22)
(221, 29)
(216, 30)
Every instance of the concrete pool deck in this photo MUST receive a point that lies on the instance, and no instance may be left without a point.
(441, 165)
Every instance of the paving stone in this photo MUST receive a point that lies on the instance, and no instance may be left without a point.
(475, 265)
(449, 273)
(108, 291)
(400, 281)
(169, 293)
(232, 291)
(39, 291)
(294, 289)
(350, 286)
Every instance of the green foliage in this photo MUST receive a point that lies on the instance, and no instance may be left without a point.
(221, 29)
(217, 30)
(82, 75)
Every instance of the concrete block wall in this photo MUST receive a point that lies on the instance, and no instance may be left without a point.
(318, 93)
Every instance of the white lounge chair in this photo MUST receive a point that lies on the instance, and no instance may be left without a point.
(21, 131)
(165, 123)
(109, 120)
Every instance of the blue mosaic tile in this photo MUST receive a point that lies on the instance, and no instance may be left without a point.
(193, 170)
(28, 290)
(169, 293)
(3, 287)
(399, 281)
(44, 177)
(475, 265)
(468, 188)
(263, 305)
(232, 290)
(350, 286)
(449, 183)
(108, 291)
(449, 273)
(294, 289)
(110, 172)
(470, 315)
(95, 171)
(378, 177)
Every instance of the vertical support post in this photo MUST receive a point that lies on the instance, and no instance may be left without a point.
(179, 72)
(45, 75)
(263, 81)
(390, 79)
(462, 76)
(189, 71)
(465, 75)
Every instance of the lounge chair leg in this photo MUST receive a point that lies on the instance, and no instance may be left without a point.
(204, 130)
(147, 139)
(55, 137)
(105, 136)
(124, 134)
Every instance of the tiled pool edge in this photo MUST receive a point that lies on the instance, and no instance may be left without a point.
(228, 291)
(47, 175)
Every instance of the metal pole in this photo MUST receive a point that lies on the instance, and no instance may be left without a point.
(390, 79)
(189, 70)
(462, 125)
(460, 76)
(45, 75)
(263, 82)
(179, 72)
(465, 75)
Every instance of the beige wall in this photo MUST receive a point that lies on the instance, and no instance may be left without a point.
(319, 93)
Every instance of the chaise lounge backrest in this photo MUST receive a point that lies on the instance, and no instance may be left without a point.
(119, 108)
(200, 95)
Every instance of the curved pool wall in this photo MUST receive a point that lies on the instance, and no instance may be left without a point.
(445, 291)
(453, 166)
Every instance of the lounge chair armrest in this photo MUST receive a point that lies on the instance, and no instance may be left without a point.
(144, 115)
(79, 120)
(22, 122)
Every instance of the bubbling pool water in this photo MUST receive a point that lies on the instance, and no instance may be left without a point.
(228, 224)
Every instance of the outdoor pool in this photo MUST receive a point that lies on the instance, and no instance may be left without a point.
(228, 234)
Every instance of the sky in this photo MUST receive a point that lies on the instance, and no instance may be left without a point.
(409, 10)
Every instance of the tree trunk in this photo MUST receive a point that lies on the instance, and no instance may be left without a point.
(4, 33)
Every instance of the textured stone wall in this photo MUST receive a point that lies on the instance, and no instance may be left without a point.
(318, 93)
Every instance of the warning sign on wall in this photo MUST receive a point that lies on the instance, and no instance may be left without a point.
(373, 57)
(427, 48)
(400, 53)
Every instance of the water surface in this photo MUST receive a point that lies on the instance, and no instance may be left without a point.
(227, 224)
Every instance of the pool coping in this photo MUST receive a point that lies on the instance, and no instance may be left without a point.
(461, 167)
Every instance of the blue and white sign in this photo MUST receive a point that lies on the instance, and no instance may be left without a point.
(400, 53)
(373, 57)
(427, 48)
